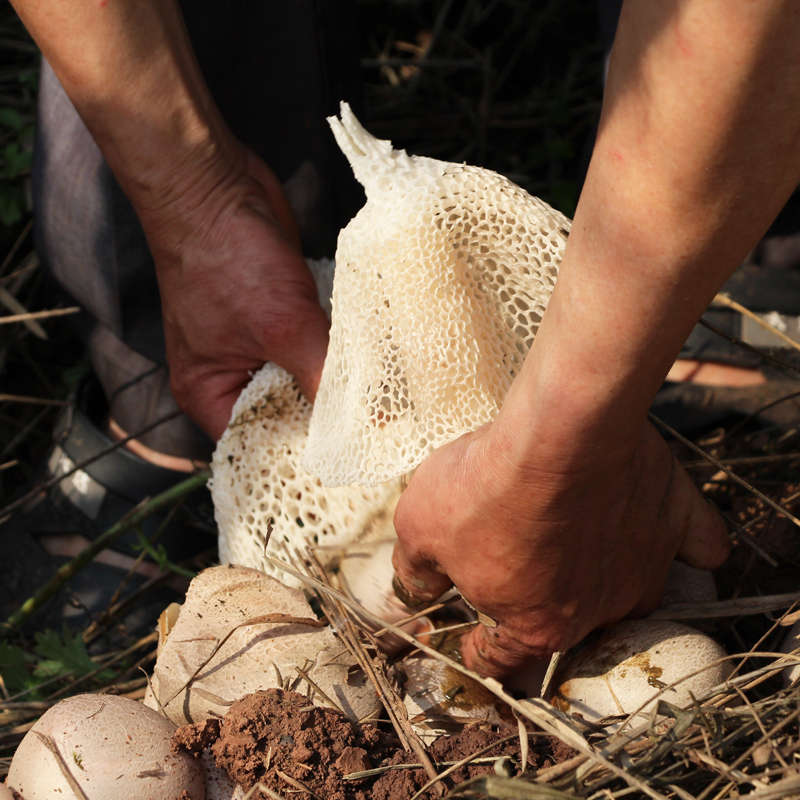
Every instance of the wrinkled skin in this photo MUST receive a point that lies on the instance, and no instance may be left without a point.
(236, 292)
(549, 557)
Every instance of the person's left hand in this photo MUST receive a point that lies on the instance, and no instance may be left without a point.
(235, 292)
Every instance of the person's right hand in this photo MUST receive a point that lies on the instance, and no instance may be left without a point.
(235, 291)
(549, 554)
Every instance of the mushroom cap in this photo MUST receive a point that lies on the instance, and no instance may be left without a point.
(631, 662)
(195, 677)
(111, 746)
(441, 282)
(687, 584)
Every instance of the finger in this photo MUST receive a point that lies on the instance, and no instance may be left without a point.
(492, 652)
(706, 544)
(209, 403)
(649, 602)
(418, 581)
(306, 348)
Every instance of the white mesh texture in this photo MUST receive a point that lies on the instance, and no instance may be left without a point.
(441, 283)
(257, 476)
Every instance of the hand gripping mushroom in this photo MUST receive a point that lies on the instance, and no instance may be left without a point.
(441, 283)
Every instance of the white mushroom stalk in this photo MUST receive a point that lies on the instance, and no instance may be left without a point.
(365, 573)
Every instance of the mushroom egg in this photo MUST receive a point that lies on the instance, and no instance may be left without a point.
(95, 745)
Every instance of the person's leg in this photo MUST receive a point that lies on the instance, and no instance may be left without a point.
(276, 70)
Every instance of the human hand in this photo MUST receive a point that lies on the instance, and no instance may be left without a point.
(548, 555)
(235, 291)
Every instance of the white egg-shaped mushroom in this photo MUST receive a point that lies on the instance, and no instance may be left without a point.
(366, 574)
(790, 644)
(440, 700)
(102, 746)
(634, 661)
(241, 631)
(687, 584)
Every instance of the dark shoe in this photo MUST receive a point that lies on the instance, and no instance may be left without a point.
(86, 502)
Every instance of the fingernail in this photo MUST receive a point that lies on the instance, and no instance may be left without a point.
(405, 596)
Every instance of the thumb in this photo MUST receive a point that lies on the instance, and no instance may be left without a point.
(418, 580)
(706, 544)
(304, 355)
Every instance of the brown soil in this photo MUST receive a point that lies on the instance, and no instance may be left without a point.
(279, 739)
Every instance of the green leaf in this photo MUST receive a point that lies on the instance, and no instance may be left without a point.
(30, 79)
(563, 195)
(13, 668)
(12, 204)
(65, 654)
(72, 376)
(10, 118)
(16, 160)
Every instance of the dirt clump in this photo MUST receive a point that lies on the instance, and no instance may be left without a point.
(402, 784)
(279, 739)
(268, 735)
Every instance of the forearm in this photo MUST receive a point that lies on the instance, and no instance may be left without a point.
(128, 67)
(696, 153)
(235, 290)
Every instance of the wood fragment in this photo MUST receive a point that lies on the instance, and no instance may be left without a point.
(740, 607)
(319, 691)
(62, 765)
(732, 475)
(259, 787)
(723, 300)
(374, 668)
(34, 315)
(463, 762)
(296, 784)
